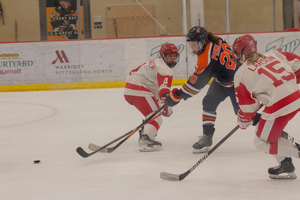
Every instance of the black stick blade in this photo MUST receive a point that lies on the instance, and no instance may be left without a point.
(82, 153)
(169, 177)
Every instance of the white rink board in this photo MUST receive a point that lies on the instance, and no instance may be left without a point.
(107, 60)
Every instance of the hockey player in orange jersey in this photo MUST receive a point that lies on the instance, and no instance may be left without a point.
(215, 60)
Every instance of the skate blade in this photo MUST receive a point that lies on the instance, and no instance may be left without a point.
(149, 149)
(283, 176)
(203, 150)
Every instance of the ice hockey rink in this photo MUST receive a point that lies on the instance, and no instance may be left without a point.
(50, 125)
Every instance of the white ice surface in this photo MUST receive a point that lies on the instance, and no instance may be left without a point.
(50, 125)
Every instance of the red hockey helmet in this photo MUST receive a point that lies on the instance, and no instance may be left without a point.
(169, 48)
(243, 46)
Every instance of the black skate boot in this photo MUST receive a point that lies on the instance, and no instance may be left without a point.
(285, 170)
(203, 145)
(287, 136)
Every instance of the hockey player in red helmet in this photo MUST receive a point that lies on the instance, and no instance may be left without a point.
(147, 87)
(169, 53)
(244, 46)
(269, 79)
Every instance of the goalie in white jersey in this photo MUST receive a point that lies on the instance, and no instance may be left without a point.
(147, 87)
(270, 79)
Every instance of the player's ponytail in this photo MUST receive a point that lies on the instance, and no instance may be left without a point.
(253, 57)
(212, 38)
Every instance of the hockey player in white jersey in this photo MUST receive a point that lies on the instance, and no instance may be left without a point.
(270, 79)
(147, 87)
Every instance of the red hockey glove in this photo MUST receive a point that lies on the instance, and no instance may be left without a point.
(242, 121)
(173, 97)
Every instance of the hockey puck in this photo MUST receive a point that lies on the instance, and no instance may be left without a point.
(36, 161)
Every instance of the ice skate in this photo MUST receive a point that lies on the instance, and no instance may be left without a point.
(203, 145)
(285, 170)
(287, 136)
(148, 145)
(298, 146)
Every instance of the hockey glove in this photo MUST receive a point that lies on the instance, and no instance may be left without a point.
(242, 121)
(256, 119)
(173, 98)
(167, 111)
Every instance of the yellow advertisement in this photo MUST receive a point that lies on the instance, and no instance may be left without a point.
(62, 20)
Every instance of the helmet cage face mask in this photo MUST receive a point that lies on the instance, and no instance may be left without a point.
(167, 49)
(202, 44)
(171, 64)
(239, 55)
(200, 35)
(194, 47)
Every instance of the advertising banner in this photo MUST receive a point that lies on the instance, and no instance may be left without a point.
(109, 60)
(57, 62)
(84, 62)
(21, 64)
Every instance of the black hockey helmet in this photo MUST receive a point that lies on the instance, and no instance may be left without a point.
(197, 33)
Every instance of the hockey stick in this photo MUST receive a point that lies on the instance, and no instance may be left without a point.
(179, 177)
(84, 154)
(95, 147)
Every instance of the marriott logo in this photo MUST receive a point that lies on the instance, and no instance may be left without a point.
(61, 57)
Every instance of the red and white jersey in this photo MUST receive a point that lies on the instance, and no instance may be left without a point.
(152, 78)
(271, 81)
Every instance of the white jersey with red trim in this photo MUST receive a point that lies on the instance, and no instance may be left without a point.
(271, 81)
(152, 78)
